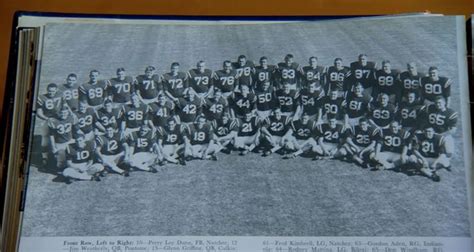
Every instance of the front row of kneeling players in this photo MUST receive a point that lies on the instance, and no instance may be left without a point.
(177, 142)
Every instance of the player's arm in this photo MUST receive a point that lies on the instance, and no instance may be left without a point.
(40, 114)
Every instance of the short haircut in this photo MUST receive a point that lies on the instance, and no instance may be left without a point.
(120, 69)
(432, 68)
(263, 58)
(52, 85)
(226, 62)
(289, 56)
(174, 64)
(241, 57)
(313, 57)
(72, 75)
(199, 62)
(385, 62)
(150, 69)
(94, 71)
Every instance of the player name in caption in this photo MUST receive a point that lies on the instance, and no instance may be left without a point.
(260, 245)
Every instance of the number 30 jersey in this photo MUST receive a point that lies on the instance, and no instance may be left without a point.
(394, 141)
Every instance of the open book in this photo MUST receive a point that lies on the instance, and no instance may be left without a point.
(289, 135)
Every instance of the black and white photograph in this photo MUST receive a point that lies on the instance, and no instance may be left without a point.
(347, 127)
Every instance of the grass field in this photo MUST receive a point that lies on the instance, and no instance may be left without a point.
(251, 195)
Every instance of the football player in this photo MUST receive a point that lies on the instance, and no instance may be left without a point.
(61, 129)
(161, 111)
(392, 149)
(107, 115)
(382, 112)
(363, 72)
(80, 160)
(435, 85)
(264, 73)
(289, 72)
(70, 91)
(300, 137)
(170, 144)
(333, 106)
(110, 149)
(313, 73)
(86, 120)
(225, 129)
(266, 100)
(356, 105)
(288, 99)
(226, 80)
(411, 81)
(133, 116)
(48, 106)
(175, 83)
(94, 91)
(409, 112)
(189, 108)
(215, 106)
(275, 127)
(336, 77)
(245, 70)
(311, 101)
(361, 142)
(201, 79)
(331, 138)
(141, 146)
(199, 140)
(248, 134)
(242, 102)
(148, 85)
(428, 150)
(387, 82)
(121, 87)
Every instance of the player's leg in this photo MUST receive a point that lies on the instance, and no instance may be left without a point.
(110, 162)
(76, 172)
(61, 155)
(169, 153)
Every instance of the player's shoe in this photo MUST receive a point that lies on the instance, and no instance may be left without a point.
(266, 153)
(435, 177)
(125, 174)
(182, 161)
(226, 150)
(96, 177)
(153, 170)
(317, 157)
(214, 157)
(244, 152)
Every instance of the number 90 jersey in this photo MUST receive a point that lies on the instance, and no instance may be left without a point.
(94, 94)
(431, 88)
(79, 155)
(394, 141)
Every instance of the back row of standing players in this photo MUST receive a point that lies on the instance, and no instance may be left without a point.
(335, 111)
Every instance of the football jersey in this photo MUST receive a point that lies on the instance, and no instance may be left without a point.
(171, 136)
(214, 109)
(408, 114)
(149, 88)
(356, 106)
(266, 100)
(200, 82)
(200, 135)
(135, 117)
(248, 128)
(159, 114)
(110, 146)
(121, 90)
(50, 105)
(222, 128)
(332, 135)
(242, 105)
(105, 118)
(263, 75)
(311, 75)
(277, 126)
(388, 83)
(288, 101)
(431, 88)
(62, 129)
(244, 72)
(303, 131)
(411, 83)
(430, 148)
(94, 94)
(141, 143)
(175, 84)
(365, 75)
(189, 110)
(79, 155)
(381, 115)
(441, 121)
(289, 73)
(392, 141)
(336, 78)
(311, 102)
(226, 82)
(364, 138)
(86, 120)
(70, 95)
(333, 108)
